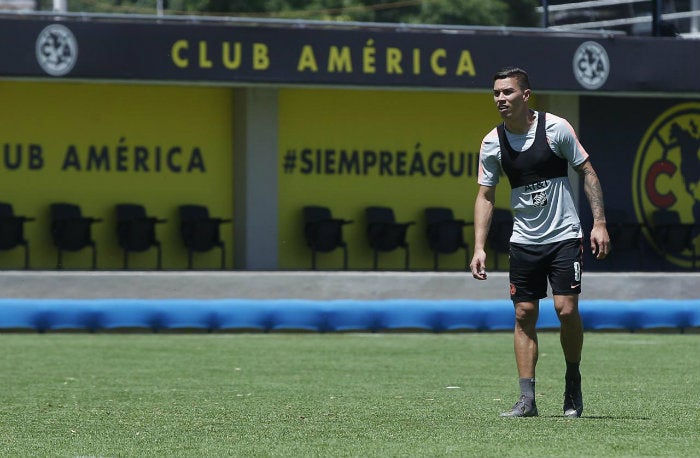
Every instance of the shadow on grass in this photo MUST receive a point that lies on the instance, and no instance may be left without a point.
(595, 417)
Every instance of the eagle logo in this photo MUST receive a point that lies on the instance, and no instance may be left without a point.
(666, 184)
(56, 50)
(591, 65)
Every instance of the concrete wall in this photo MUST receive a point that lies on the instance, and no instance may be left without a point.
(255, 179)
(325, 285)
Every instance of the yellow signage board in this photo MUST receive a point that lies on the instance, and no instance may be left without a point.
(99, 145)
(348, 150)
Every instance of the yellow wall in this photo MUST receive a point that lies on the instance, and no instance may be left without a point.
(64, 120)
(400, 123)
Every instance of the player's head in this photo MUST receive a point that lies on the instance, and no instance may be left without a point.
(514, 72)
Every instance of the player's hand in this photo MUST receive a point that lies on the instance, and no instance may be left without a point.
(478, 265)
(600, 241)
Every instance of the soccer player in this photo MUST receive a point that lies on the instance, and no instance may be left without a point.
(535, 149)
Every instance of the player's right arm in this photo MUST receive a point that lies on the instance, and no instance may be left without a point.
(488, 176)
(483, 212)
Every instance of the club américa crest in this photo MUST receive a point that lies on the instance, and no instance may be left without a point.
(666, 182)
(56, 50)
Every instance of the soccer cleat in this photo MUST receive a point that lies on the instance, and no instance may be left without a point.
(573, 400)
(523, 408)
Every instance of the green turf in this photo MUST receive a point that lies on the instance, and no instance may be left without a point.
(381, 395)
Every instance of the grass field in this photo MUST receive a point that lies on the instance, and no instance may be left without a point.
(374, 395)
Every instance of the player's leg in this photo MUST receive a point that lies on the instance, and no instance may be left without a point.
(571, 330)
(571, 337)
(565, 279)
(526, 353)
(528, 283)
(525, 338)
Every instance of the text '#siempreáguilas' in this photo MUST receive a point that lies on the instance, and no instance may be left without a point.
(329, 161)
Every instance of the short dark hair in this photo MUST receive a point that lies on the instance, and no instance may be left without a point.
(514, 72)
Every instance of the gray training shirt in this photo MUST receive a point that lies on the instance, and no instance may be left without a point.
(543, 211)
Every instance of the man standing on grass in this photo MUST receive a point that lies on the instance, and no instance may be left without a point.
(534, 149)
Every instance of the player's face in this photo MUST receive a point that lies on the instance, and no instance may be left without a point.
(510, 99)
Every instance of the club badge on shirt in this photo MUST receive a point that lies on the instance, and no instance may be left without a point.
(539, 199)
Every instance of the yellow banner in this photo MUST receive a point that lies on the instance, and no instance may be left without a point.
(348, 150)
(99, 145)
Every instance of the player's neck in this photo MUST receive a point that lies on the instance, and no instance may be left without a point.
(520, 125)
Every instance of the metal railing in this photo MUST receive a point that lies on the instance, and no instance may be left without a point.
(683, 15)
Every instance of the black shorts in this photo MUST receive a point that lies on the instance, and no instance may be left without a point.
(532, 265)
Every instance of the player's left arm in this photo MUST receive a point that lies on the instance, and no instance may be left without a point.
(600, 240)
(564, 140)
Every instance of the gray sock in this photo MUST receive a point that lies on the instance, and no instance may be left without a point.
(527, 388)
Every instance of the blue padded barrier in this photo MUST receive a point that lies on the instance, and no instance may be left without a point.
(297, 314)
(263, 315)
(56, 315)
(18, 315)
(115, 314)
(658, 314)
(183, 314)
(243, 314)
(610, 315)
(352, 315)
(396, 315)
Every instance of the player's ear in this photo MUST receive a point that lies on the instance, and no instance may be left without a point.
(526, 94)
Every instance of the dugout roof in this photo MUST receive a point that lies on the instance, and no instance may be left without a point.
(236, 51)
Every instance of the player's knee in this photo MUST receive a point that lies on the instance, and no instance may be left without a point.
(568, 313)
(525, 314)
